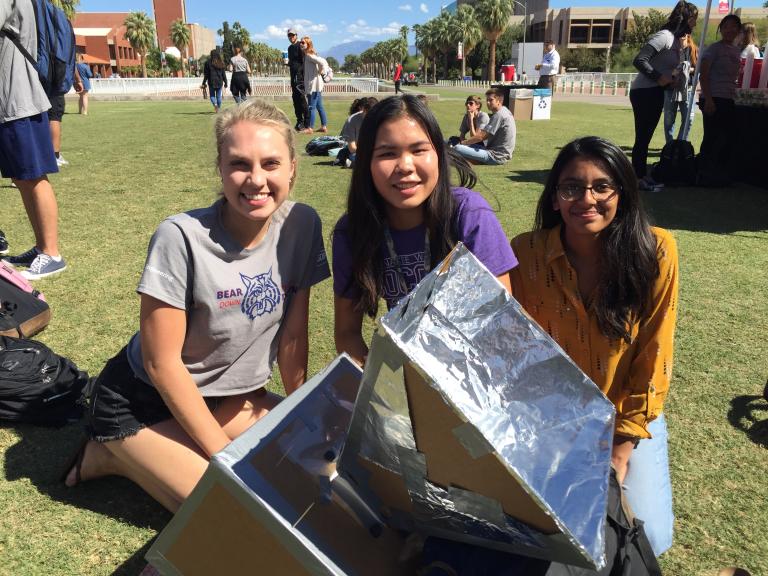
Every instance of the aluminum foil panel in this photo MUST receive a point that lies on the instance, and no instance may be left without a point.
(473, 424)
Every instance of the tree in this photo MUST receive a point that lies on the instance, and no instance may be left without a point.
(352, 64)
(227, 36)
(468, 31)
(493, 16)
(333, 63)
(180, 37)
(140, 32)
(644, 27)
(69, 7)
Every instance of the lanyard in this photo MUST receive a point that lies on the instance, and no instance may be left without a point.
(396, 260)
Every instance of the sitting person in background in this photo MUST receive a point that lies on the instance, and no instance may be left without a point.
(475, 119)
(351, 129)
(495, 143)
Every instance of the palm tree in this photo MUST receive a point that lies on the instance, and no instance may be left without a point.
(69, 7)
(493, 16)
(140, 32)
(444, 36)
(468, 31)
(180, 36)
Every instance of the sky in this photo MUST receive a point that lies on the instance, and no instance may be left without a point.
(328, 22)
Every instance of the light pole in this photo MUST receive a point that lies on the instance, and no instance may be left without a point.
(525, 25)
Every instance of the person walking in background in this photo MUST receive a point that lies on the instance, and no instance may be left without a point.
(719, 72)
(656, 61)
(298, 93)
(397, 77)
(241, 70)
(314, 67)
(676, 94)
(549, 67)
(85, 77)
(215, 77)
(26, 149)
(749, 42)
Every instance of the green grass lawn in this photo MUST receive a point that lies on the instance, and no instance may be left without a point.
(134, 163)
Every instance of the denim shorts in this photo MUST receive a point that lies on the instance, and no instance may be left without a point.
(122, 404)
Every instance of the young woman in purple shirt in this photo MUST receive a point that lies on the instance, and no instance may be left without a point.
(403, 217)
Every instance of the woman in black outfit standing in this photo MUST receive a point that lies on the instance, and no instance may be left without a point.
(215, 77)
(656, 61)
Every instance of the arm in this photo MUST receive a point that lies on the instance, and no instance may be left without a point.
(78, 83)
(293, 349)
(705, 81)
(162, 332)
(643, 64)
(348, 329)
(479, 136)
(622, 451)
(650, 370)
(352, 145)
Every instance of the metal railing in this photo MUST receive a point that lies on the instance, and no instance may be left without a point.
(265, 86)
(574, 82)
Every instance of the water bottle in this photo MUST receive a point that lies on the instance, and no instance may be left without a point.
(285, 57)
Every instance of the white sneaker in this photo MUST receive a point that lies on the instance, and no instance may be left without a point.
(61, 161)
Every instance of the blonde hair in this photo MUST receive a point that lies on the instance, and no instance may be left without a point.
(257, 111)
(476, 99)
(310, 49)
(750, 35)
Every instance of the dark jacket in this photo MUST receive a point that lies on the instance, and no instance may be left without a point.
(296, 62)
(214, 77)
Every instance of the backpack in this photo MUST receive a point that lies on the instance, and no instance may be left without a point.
(38, 386)
(320, 145)
(23, 310)
(55, 63)
(677, 164)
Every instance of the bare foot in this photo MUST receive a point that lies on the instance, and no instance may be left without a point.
(92, 461)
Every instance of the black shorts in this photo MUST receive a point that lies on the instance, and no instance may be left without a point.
(122, 404)
(57, 108)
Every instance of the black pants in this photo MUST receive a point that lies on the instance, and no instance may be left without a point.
(300, 106)
(397, 86)
(647, 106)
(718, 132)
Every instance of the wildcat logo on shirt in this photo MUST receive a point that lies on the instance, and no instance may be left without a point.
(262, 295)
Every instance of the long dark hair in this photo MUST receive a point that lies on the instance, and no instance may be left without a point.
(216, 60)
(366, 209)
(677, 22)
(628, 262)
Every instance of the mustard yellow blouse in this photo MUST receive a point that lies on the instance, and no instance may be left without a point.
(635, 377)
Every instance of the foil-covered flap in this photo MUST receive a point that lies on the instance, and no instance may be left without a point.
(496, 408)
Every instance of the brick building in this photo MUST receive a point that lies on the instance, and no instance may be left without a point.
(100, 37)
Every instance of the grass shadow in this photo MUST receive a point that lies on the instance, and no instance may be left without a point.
(743, 415)
(740, 208)
(134, 565)
(201, 113)
(41, 454)
(529, 176)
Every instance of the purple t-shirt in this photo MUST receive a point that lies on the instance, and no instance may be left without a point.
(478, 229)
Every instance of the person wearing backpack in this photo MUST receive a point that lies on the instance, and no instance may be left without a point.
(26, 151)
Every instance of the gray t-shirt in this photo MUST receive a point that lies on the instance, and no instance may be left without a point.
(480, 123)
(502, 133)
(239, 64)
(724, 62)
(235, 298)
(665, 61)
(352, 127)
(21, 94)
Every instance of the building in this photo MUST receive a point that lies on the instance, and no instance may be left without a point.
(165, 12)
(100, 38)
(202, 40)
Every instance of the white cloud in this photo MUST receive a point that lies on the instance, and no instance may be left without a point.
(405, 7)
(360, 29)
(303, 27)
(423, 7)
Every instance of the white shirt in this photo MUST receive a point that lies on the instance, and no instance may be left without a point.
(550, 63)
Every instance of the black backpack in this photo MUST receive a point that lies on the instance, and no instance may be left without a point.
(320, 145)
(677, 164)
(38, 386)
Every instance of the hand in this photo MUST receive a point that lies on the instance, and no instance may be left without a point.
(622, 451)
(665, 80)
(538, 67)
(709, 107)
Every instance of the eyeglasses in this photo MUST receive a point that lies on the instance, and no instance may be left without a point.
(573, 190)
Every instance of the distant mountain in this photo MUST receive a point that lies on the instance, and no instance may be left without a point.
(357, 47)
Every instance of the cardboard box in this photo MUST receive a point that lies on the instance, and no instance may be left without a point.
(521, 107)
(273, 503)
(472, 424)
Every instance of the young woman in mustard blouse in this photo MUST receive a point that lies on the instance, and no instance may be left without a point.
(603, 283)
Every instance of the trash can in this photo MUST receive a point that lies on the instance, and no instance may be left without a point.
(508, 73)
(521, 103)
(542, 104)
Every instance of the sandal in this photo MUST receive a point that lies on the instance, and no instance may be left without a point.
(76, 463)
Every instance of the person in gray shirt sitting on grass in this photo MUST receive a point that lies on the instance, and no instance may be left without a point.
(495, 143)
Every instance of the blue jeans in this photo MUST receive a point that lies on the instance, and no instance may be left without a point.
(648, 488)
(216, 97)
(316, 103)
(670, 114)
(476, 153)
